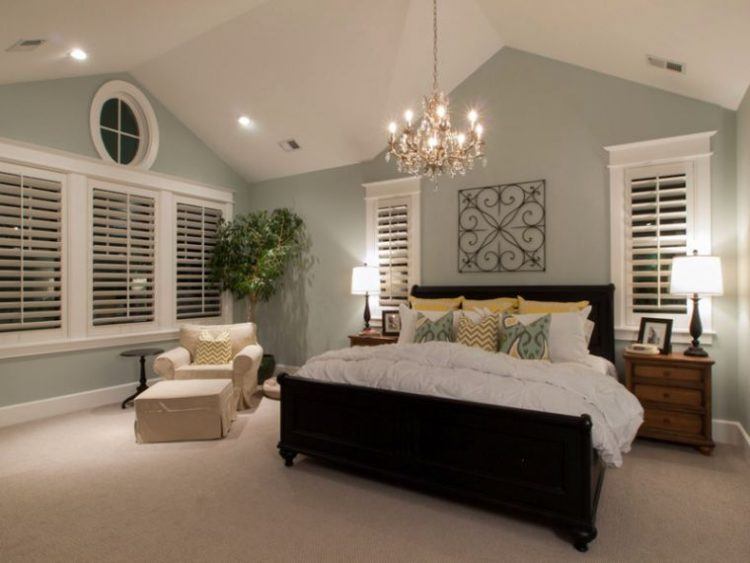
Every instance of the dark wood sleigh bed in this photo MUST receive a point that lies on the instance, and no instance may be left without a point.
(540, 465)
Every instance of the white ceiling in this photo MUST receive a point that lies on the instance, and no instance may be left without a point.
(332, 73)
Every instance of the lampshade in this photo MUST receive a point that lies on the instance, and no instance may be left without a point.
(365, 279)
(696, 274)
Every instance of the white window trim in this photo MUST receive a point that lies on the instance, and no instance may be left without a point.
(391, 189)
(77, 172)
(694, 149)
(148, 145)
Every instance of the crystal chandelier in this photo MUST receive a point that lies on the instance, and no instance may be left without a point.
(430, 147)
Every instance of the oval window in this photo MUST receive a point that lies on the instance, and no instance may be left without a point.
(123, 125)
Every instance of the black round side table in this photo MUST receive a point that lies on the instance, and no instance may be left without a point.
(142, 385)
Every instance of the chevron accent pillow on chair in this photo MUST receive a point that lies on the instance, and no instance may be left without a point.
(479, 334)
(213, 349)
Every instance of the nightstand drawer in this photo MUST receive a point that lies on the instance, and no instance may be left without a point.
(670, 373)
(655, 419)
(671, 395)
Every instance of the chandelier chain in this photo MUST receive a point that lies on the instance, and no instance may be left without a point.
(434, 47)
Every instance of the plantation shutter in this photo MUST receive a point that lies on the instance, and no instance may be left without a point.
(658, 231)
(197, 296)
(30, 253)
(392, 240)
(123, 258)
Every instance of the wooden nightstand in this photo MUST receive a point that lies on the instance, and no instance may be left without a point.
(675, 391)
(371, 339)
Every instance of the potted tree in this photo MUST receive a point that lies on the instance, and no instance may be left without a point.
(252, 253)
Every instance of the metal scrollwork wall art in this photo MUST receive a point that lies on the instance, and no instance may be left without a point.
(502, 228)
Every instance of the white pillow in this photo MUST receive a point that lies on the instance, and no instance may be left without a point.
(567, 336)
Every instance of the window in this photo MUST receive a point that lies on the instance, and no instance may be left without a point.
(657, 225)
(123, 258)
(123, 125)
(393, 250)
(197, 296)
(119, 130)
(30, 251)
(660, 208)
(393, 238)
(95, 255)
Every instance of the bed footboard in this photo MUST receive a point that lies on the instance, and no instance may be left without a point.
(538, 464)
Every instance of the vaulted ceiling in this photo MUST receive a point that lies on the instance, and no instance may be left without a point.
(332, 73)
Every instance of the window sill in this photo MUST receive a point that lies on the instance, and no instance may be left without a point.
(679, 336)
(71, 345)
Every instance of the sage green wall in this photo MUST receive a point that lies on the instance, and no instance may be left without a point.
(55, 114)
(743, 239)
(544, 119)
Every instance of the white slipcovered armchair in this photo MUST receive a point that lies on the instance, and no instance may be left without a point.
(247, 354)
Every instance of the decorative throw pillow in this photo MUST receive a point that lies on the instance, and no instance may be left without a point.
(442, 304)
(498, 305)
(525, 341)
(213, 349)
(480, 334)
(526, 307)
(440, 330)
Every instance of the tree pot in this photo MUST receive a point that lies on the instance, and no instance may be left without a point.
(267, 367)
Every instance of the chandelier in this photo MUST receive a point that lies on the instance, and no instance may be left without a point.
(430, 147)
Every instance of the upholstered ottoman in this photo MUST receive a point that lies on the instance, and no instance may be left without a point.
(185, 409)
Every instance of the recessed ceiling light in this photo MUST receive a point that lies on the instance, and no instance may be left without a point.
(245, 121)
(79, 54)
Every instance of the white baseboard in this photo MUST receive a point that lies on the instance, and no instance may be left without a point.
(54, 406)
(724, 431)
(731, 432)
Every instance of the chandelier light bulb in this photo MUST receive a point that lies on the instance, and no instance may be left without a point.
(392, 127)
(441, 111)
(473, 116)
(408, 116)
(461, 138)
(479, 129)
(432, 142)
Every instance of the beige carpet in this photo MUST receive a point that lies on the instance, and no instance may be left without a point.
(77, 487)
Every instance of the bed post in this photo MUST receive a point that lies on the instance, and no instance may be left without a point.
(286, 453)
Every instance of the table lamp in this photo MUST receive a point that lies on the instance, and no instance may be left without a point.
(694, 276)
(366, 281)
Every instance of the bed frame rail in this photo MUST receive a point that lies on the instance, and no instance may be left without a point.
(539, 464)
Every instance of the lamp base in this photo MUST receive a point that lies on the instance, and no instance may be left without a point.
(696, 351)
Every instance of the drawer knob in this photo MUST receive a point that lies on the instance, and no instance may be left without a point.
(666, 395)
(665, 420)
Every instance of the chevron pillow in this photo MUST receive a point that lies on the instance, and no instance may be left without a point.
(480, 334)
(213, 349)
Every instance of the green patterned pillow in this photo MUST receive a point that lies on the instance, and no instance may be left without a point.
(440, 330)
(527, 342)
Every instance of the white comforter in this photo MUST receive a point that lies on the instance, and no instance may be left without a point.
(460, 372)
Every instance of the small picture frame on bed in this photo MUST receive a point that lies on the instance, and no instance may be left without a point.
(657, 332)
(391, 323)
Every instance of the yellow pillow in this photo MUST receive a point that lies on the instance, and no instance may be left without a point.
(530, 307)
(446, 304)
(499, 305)
(213, 349)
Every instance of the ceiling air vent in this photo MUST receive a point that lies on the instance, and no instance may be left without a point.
(289, 145)
(25, 45)
(672, 66)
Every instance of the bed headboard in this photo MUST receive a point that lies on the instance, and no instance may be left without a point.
(601, 298)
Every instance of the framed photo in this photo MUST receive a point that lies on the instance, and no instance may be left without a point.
(657, 332)
(391, 323)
